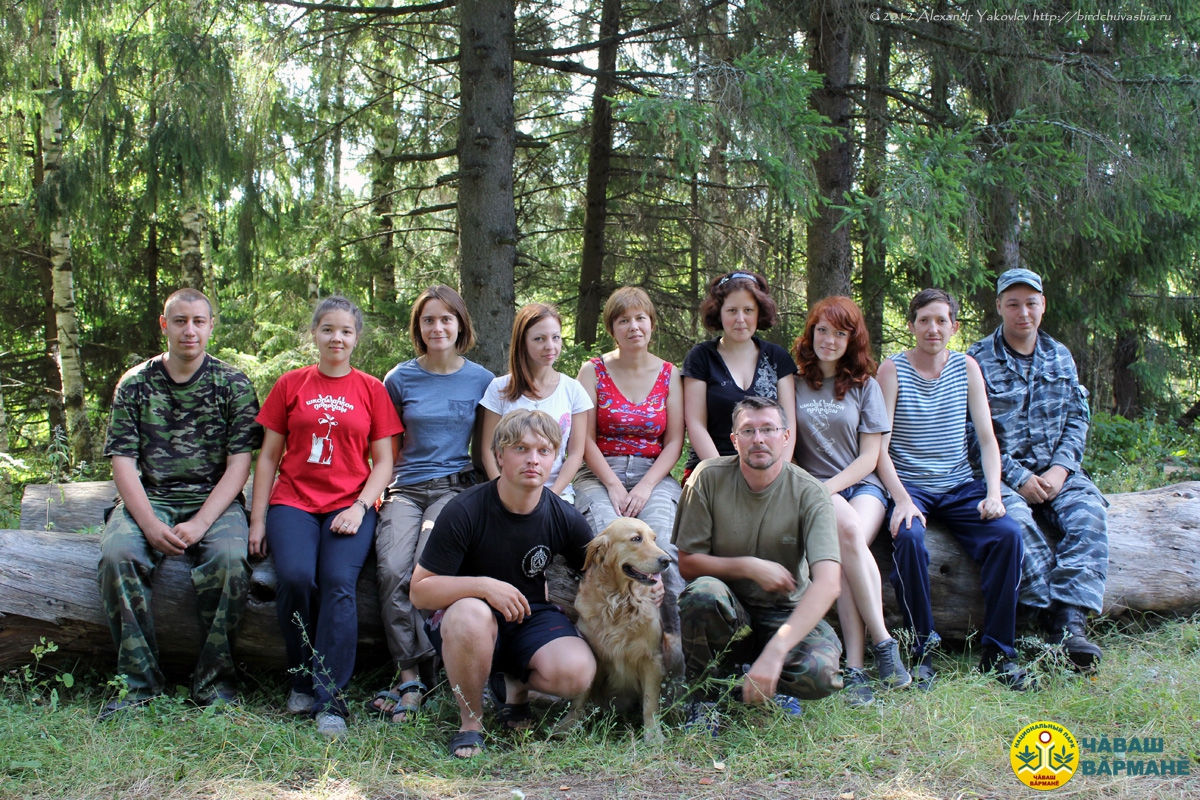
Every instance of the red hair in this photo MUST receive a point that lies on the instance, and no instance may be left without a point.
(855, 365)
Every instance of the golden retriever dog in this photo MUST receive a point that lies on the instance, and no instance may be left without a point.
(620, 619)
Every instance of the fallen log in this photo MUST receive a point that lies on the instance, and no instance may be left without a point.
(48, 584)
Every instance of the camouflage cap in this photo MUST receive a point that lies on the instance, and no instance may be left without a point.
(1012, 277)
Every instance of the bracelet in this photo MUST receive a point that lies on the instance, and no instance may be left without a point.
(359, 502)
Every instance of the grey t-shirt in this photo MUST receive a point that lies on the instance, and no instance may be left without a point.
(827, 428)
(438, 412)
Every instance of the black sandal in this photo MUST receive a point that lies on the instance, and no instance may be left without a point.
(466, 739)
(396, 698)
(511, 716)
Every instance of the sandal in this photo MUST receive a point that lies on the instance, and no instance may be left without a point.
(396, 698)
(511, 716)
(464, 739)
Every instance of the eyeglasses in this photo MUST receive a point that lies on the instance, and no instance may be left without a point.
(767, 432)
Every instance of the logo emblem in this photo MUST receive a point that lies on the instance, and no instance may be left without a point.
(535, 561)
(1044, 755)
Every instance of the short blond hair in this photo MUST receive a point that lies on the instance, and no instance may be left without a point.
(514, 426)
(624, 300)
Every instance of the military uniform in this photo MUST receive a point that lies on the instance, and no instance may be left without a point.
(1040, 416)
(725, 626)
(180, 434)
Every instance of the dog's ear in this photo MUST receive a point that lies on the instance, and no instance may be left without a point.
(596, 550)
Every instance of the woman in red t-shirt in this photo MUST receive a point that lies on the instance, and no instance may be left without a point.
(632, 444)
(328, 431)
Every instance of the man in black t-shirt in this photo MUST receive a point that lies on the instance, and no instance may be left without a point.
(483, 573)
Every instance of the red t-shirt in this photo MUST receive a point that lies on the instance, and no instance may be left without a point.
(328, 424)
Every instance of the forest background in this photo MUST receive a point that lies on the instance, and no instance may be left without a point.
(275, 151)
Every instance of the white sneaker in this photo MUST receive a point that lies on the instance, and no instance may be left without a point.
(331, 726)
(299, 703)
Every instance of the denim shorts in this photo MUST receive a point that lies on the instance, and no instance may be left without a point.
(865, 489)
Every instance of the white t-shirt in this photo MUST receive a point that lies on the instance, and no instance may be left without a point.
(568, 398)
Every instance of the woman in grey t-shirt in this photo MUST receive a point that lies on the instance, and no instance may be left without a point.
(437, 396)
(840, 422)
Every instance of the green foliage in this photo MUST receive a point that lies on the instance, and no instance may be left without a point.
(33, 684)
(1126, 455)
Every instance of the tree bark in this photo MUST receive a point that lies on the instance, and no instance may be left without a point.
(48, 579)
(591, 270)
(70, 363)
(487, 217)
(1126, 384)
(830, 264)
(191, 248)
(874, 267)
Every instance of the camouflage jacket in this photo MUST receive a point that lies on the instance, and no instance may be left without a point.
(1040, 422)
(182, 433)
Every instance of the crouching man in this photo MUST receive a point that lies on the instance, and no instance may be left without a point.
(757, 540)
(181, 437)
(483, 574)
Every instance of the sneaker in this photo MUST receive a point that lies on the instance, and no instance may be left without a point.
(1069, 629)
(924, 677)
(788, 705)
(858, 688)
(892, 674)
(299, 703)
(702, 715)
(331, 726)
(1008, 672)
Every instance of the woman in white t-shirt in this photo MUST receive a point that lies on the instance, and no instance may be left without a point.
(533, 383)
(840, 422)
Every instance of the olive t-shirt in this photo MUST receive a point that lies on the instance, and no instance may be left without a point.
(791, 522)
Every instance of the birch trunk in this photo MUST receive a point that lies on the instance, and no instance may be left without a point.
(191, 248)
(70, 364)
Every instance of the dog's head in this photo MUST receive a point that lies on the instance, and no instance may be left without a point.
(627, 547)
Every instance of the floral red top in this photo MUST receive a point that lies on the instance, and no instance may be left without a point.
(630, 429)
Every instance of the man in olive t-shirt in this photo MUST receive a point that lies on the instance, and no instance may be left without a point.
(757, 538)
(181, 437)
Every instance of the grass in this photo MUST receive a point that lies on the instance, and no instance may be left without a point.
(949, 743)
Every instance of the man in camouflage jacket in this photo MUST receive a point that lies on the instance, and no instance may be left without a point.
(1040, 415)
(181, 438)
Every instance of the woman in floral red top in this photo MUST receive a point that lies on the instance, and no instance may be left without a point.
(632, 444)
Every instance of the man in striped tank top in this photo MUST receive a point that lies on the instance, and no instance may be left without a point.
(930, 392)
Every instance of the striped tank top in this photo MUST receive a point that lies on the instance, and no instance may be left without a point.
(929, 433)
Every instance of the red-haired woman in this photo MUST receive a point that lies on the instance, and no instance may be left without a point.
(840, 420)
(533, 383)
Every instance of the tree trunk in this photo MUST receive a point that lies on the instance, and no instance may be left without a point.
(591, 271)
(1126, 384)
(70, 364)
(50, 375)
(830, 264)
(48, 579)
(383, 175)
(1003, 206)
(874, 268)
(191, 248)
(487, 218)
(151, 332)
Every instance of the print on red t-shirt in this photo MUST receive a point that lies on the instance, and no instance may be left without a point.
(328, 424)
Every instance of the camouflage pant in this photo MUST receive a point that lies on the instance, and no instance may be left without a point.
(1066, 546)
(720, 634)
(220, 575)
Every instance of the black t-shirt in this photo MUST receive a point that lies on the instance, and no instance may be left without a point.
(475, 535)
(704, 362)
